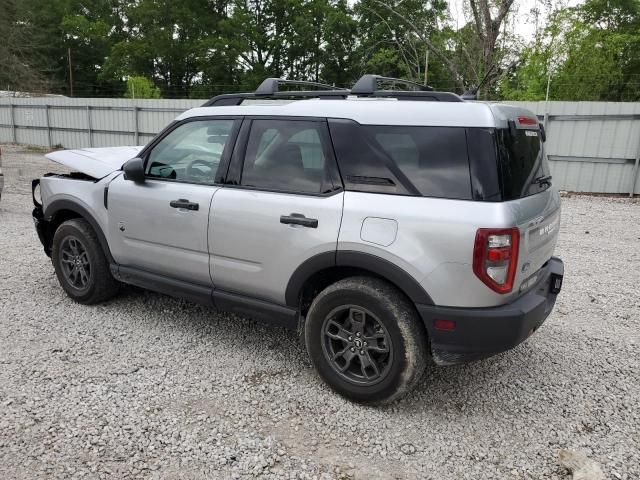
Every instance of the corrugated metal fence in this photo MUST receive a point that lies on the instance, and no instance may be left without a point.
(86, 122)
(592, 146)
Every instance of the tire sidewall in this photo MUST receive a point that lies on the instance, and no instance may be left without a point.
(70, 229)
(379, 305)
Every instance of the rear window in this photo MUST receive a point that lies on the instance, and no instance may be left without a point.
(521, 162)
(405, 160)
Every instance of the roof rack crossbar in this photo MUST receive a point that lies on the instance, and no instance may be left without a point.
(368, 84)
(270, 85)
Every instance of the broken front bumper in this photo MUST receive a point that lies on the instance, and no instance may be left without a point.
(42, 226)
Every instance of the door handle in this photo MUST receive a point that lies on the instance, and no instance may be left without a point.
(184, 203)
(299, 219)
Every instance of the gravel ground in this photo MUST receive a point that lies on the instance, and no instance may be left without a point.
(147, 386)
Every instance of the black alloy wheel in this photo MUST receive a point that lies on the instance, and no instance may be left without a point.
(75, 262)
(80, 263)
(357, 345)
(366, 340)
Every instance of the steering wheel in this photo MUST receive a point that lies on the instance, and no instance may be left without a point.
(198, 173)
(196, 147)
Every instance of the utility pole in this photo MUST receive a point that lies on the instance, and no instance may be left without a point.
(426, 66)
(546, 99)
(70, 72)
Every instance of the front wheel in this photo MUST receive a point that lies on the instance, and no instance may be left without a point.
(80, 264)
(365, 339)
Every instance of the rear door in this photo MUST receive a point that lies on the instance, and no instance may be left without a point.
(527, 188)
(161, 225)
(281, 206)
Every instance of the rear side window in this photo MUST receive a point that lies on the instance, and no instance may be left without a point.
(287, 155)
(404, 160)
(521, 162)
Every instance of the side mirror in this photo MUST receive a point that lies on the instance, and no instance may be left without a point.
(134, 170)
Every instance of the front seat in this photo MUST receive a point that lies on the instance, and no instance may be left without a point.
(286, 162)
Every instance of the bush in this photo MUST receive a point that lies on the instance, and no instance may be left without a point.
(141, 87)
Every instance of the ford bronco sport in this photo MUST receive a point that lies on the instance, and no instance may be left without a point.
(384, 225)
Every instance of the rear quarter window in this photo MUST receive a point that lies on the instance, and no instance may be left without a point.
(403, 160)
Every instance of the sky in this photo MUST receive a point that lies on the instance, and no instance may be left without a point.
(523, 18)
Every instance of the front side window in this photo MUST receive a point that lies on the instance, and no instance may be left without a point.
(287, 155)
(191, 152)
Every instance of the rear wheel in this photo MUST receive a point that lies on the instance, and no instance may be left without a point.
(80, 264)
(365, 339)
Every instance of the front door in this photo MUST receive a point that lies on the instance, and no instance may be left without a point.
(285, 207)
(161, 225)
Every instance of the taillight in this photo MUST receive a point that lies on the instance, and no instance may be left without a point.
(495, 257)
(522, 120)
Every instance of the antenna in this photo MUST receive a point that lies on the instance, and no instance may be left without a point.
(472, 93)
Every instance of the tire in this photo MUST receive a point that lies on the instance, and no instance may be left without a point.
(76, 249)
(392, 360)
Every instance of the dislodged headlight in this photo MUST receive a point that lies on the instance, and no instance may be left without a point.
(35, 193)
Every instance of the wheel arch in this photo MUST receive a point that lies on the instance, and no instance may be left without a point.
(61, 210)
(323, 269)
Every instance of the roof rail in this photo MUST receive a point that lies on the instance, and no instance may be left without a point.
(428, 96)
(269, 88)
(270, 85)
(227, 99)
(368, 84)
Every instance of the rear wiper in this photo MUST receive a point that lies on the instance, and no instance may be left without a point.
(543, 180)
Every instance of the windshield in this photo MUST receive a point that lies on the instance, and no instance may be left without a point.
(522, 164)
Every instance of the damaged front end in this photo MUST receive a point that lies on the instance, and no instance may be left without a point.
(43, 227)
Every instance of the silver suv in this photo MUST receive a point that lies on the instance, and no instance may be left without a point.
(385, 226)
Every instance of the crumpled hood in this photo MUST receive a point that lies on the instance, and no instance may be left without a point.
(95, 162)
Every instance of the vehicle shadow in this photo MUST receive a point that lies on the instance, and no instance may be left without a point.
(463, 389)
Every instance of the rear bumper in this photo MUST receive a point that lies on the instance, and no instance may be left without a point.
(482, 332)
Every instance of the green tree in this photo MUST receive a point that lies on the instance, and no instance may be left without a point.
(86, 28)
(21, 56)
(165, 40)
(392, 39)
(403, 37)
(301, 39)
(591, 52)
(141, 87)
(337, 55)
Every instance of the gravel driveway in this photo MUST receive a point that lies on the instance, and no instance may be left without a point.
(147, 386)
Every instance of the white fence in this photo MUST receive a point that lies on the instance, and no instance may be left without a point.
(86, 122)
(592, 146)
